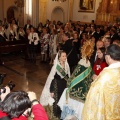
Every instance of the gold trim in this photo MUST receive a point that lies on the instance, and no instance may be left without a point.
(87, 49)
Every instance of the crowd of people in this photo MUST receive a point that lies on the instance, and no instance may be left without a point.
(47, 39)
(84, 56)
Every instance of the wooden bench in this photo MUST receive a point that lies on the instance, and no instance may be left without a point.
(13, 46)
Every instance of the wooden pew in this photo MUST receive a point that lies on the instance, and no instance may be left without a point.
(13, 46)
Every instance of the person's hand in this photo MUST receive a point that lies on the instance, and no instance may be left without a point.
(3, 95)
(94, 76)
(32, 96)
(52, 95)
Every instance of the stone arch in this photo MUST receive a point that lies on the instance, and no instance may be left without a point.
(58, 14)
(11, 13)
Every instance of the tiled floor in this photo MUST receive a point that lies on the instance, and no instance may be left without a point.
(26, 76)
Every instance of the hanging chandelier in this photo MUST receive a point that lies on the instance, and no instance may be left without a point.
(59, 0)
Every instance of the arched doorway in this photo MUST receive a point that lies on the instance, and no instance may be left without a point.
(58, 14)
(11, 13)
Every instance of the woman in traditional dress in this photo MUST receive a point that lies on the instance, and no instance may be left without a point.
(73, 97)
(55, 84)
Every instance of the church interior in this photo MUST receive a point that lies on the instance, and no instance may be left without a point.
(14, 52)
(21, 72)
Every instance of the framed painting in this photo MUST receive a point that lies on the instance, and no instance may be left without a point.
(86, 6)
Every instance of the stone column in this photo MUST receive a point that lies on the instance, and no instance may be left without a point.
(42, 11)
(35, 13)
(21, 16)
(34, 17)
(71, 2)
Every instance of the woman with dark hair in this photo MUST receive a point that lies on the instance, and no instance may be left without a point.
(100, 62)
(55, 85)
(15, 103)
(14, 106)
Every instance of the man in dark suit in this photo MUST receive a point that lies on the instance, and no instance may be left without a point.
(94, 33)
(70, 50)
(28, 25)
(114, 35)
(98, 30)
(81, 31)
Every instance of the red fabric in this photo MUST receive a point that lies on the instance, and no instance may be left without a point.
(20, 118)
(39, 112)
(3, 114)
(102, 66)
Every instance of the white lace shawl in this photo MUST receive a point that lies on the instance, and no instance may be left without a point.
(84, 62)
(45, 97)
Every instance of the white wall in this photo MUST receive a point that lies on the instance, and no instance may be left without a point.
(53, 4)
(58, 15)
(83, 16)
(35, 14)
(77, 16)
